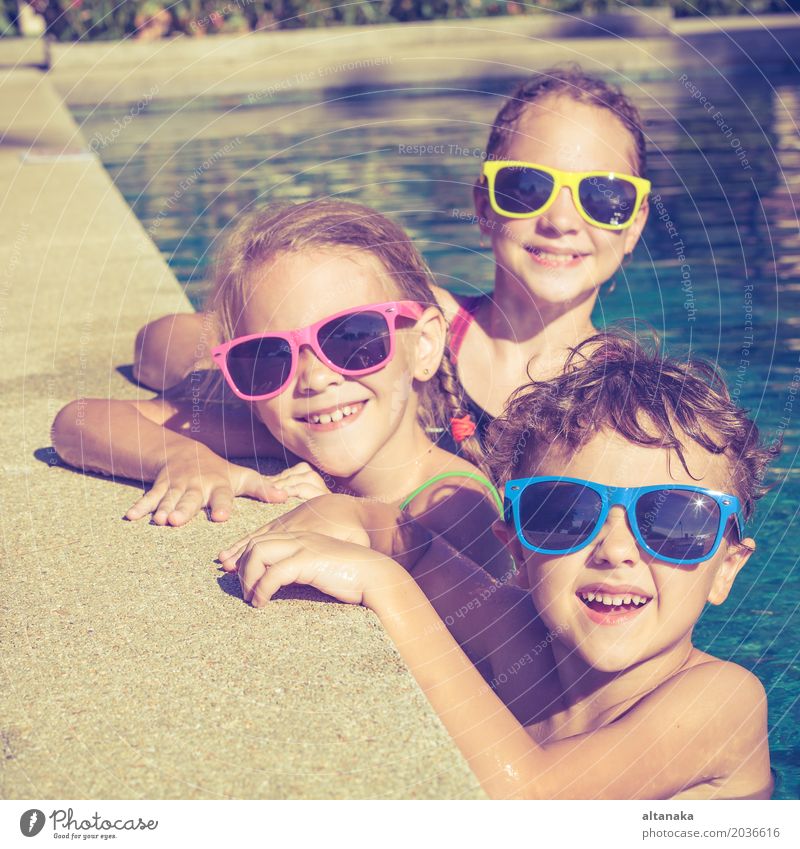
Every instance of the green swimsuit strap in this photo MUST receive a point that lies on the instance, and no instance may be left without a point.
(471, 475)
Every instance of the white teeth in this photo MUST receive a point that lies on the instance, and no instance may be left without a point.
(336, 416)
(614, 600)
(560, 259)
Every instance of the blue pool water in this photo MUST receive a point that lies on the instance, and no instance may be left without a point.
(728, 208)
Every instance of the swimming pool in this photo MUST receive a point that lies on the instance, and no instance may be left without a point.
(717, 270)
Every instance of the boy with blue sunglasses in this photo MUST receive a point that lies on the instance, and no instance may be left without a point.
(630, 477)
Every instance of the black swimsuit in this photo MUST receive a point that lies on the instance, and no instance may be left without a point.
(458, 330)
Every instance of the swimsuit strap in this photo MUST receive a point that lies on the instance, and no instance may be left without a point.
(460, 324)
(471, 475)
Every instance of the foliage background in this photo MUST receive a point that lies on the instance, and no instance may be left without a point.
(71, 20)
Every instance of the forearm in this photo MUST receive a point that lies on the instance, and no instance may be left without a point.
(112, 437)
(498, 749)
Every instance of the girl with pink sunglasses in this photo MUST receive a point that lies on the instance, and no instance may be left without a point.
(335, 345)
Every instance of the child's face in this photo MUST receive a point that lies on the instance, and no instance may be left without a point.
(359, 415)
(557, 255)
(613, 563)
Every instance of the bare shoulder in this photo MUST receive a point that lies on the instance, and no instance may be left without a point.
(447, 301)
(700, 733)
(455, 475)
(720, 709)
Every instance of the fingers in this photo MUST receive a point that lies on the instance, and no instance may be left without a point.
(258, 559)
(187, 506)
(262, 487)
(220, 504)
(276, 576)
(301, 474)
(167, 505)
(228, 556)
(147, 503)
(305, 489)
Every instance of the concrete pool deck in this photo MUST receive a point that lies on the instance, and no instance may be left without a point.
(131, 667)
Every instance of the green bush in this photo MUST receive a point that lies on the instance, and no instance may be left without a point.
(73, 20)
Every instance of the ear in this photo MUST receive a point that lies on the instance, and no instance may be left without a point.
(633, 232)
(483, 209)
(509, 540)
(432, 330)
(737, 555)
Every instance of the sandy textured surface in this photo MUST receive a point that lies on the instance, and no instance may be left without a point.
(131, 668)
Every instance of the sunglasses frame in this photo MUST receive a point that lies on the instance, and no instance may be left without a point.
(390, 311)
(570, 179)
(612, 496)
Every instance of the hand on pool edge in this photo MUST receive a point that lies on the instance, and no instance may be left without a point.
(347, 571)
(195, 477)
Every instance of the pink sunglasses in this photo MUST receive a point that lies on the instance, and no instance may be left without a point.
(352, 342)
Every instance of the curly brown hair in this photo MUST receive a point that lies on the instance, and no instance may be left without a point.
(573, 82)
(615, 381)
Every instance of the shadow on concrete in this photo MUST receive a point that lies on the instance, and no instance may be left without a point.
(127, 372)
(229, 584)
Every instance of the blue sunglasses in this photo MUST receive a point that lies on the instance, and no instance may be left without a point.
(675, 523)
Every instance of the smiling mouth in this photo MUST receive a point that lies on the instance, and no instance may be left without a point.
(606, 608)
(553, 260)
(334, 417)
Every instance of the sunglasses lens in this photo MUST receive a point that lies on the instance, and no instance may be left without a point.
(608, 200)
(558, 515)
(522, 191)
(356, 342)
(679, 524)
(260, 366)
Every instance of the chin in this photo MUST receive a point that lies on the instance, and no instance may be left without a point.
(339, 464)
(558, 291)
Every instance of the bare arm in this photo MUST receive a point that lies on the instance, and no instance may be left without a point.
(169, 348)
(704, 725)
(146, 441)
(114, 438)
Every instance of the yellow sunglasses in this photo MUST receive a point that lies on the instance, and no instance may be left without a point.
(603, 198)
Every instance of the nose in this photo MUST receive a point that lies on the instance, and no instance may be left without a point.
(616, 545)
(562, 217)
(314, 376)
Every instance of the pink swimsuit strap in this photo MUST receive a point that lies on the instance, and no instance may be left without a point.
(461, 322)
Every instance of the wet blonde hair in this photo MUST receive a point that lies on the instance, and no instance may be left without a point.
(262, 234)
